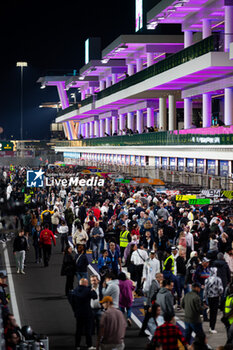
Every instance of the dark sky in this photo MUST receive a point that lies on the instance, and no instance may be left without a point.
(50, 35)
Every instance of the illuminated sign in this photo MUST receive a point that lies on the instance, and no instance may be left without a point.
(211, 166)
(138, 15)
(87, 59)
(6, 146)
(223, 165)
(199, 201)
(185, 197)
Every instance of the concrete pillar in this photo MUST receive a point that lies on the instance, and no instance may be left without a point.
(121, 123)
(91, 129)
(102, 127)
(96, 128)
(150, 117)
(108, 82)
(130, 120)
(188, 38)
(108, 126)
(130, 69)
(206, 28)
(139, 65)
(87, 135)
(139, 122)
(83, 95)
(187, 113)
(114, 125)
(91, 90)
(83, 130)
(162, 114)
(228, 106)
(206, 110)
(149, 59)
(102, 85)
(171, 112)
(114, 78)
(228, 30)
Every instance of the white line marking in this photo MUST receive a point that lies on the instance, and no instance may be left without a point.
(14, 304)
(134, 317)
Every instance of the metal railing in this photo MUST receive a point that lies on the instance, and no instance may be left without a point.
(161, 138)
(196, 50)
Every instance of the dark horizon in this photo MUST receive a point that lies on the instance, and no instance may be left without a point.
(51, 37)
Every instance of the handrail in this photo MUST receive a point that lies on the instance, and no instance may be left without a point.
(160, 138)
(198, 49)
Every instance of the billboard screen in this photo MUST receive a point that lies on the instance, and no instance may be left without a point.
(138, 15)
(156, 162)
(190, 165)
(164, 163)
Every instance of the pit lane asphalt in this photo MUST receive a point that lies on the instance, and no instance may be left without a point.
(42, 303)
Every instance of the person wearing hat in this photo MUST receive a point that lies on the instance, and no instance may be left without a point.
(112, 327)
(191, 304)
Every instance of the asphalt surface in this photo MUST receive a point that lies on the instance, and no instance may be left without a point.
(42, 303)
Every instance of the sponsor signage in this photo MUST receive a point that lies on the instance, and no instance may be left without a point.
(6, 146)
(185, 197)
(199, 201)
(200, 166)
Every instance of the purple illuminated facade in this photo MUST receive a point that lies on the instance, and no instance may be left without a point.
(191, 94)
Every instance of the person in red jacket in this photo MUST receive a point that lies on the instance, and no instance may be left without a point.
(46, 237)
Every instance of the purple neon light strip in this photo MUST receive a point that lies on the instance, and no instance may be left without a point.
(62, 95)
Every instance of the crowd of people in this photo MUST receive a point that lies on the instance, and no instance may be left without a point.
(143, 244)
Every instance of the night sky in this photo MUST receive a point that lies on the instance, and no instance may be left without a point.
(50, 35)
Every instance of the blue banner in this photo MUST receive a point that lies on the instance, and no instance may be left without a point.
(172, 163)
(190, 165)
(164, 163)
(224, 167)
(211, 166)
(180, 164)
(156, 162)
(200, 166)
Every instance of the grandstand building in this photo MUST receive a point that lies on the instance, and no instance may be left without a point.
(181, 85)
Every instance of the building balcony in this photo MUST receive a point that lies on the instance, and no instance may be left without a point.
(205, 136)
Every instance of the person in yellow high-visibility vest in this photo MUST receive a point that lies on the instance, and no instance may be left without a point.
(125, 238)
(228, 312)
(169, 267)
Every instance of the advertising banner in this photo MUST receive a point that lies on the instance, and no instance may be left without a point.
(180, 164)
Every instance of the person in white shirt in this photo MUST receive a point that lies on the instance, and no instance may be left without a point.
(8, 191)
(150, 268)
(138, 258)
(95, 305)
(189, 240)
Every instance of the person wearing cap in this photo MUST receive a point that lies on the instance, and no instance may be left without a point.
(201, 274)
(191, 304)
(3, 296)
(80, 299)
(112, 327)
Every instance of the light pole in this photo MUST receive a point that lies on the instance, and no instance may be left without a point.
(21, 65)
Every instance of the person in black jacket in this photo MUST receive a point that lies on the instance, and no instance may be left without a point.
(3, 296)
(20, 246)
(81, 262)
(80, 299)
(68, 269)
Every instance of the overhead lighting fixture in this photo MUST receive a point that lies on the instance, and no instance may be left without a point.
(81, 77)
(105, 60)
(152, 25)
(43, 86)
(161, 17)
(171, 10)
(179, 4)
